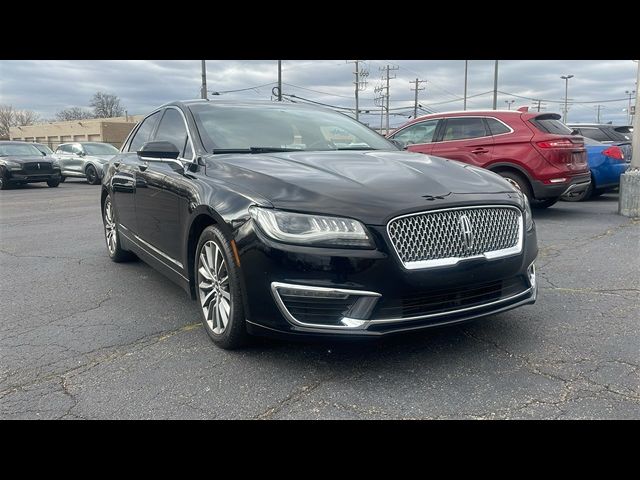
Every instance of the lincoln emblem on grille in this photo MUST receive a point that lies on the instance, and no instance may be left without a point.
(467, 232)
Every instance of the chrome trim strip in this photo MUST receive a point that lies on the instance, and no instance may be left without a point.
(576, 185)
(349, 323)
(142, 244)
(186, 126)
(447, 262)
(450, 312)
(353, 324)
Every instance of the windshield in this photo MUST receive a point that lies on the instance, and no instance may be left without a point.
(43, 148)
(243, 127)
(15, 149)
(100, 149)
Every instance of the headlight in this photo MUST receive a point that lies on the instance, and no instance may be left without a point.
(12, 165)
(528, 218)
(312, 230)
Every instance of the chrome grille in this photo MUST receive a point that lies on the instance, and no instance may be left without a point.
(438, 238)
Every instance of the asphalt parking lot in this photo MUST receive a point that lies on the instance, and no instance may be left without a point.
(82, 337)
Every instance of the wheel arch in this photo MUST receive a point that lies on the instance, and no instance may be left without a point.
(510, 167)
(202, 218)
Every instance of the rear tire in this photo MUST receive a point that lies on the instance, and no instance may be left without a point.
(62, 179)
(4, 184)
(518, 181)
(582, 196)
(92, 175)
(218, 290)
(546, 203)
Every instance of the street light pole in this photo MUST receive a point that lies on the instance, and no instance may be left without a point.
(509, 102)
(495, 87)
(631, 94)
(466, 69)
(566, 94)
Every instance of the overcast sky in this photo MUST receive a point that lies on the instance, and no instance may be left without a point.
(48, 86)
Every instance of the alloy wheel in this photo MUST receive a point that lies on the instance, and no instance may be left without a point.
(91, 175)
(213, 287)
(109, 227)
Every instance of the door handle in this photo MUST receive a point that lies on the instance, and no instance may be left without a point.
(480, 150)
(142, 167)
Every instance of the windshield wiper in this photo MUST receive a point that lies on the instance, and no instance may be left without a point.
(255, 150)
(356, 148)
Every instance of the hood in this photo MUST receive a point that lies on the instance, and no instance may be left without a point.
(371, 186)
(28, 158)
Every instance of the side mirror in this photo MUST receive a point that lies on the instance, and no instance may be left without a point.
(575, 132)
(402, 145)
(43, 154)
(159, 150)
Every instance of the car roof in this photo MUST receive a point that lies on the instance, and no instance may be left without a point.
(242, 103)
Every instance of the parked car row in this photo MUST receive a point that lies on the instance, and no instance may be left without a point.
(538, 154)
(22, 162)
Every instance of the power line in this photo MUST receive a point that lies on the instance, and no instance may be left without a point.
(562, 101)
(220, 92)
(315, 91)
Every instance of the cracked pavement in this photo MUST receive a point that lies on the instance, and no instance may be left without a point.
(84, 338)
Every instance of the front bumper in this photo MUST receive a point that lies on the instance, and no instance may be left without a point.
(30, 177)
(368, 292)
(573, 184)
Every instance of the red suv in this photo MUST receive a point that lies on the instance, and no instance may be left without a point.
(533, 151)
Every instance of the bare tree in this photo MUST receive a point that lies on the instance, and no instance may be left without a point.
(73, 113)
(106, 105)
(9, 117)
(6, 117)
(25, 117)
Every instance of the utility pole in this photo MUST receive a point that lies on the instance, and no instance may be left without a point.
(279, 80)
(466, 69)
(495, 87)
(539, 102)
(388, 69)
(360, 82)
(598, 107)
(203, 88)
(566, 92)
(416, 89)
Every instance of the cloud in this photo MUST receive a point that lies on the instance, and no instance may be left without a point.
(48, 86)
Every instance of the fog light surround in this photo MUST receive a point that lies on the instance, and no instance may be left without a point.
(300, 305)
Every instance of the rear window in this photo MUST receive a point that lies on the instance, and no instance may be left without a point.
(551, 124)
(497, 127)
(594, 133)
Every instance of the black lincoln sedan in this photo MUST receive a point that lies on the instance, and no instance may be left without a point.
(290, 219)
(22, 162)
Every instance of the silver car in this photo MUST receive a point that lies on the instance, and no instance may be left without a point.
(84, 160)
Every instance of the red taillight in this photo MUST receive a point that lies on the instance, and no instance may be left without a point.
(614, 152)
(560, 143)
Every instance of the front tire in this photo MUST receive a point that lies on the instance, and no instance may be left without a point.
(4, 184)
(218, 290)
(92, 175)
(53, 183)
(110, 221)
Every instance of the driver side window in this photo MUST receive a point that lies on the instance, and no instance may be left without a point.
(418, 133)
